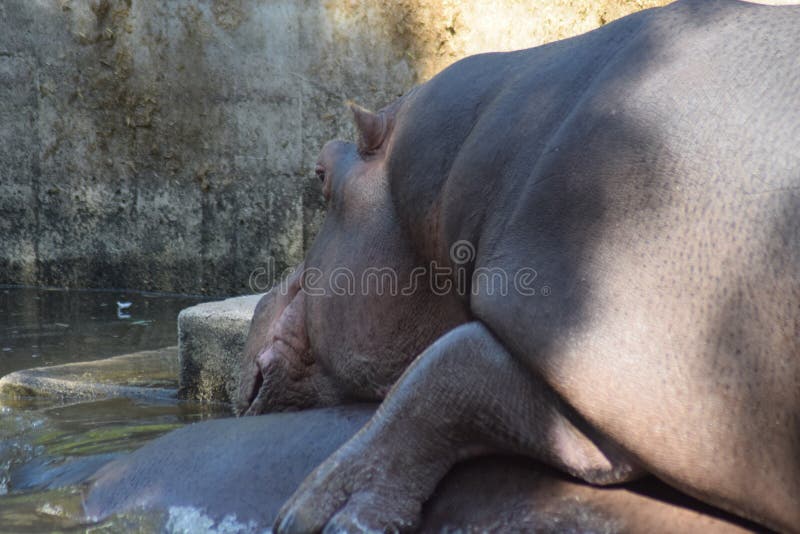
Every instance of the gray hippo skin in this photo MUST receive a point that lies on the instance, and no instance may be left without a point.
(639, 189)
(204, 465)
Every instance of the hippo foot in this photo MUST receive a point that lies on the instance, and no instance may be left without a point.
(363, 487)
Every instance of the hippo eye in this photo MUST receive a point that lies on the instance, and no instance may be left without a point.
(326, 184)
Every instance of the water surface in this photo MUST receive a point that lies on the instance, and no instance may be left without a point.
(48, 447)
(48, 327)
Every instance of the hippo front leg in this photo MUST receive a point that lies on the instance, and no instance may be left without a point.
(464, 396)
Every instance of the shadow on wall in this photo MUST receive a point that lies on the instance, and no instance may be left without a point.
(170, 147)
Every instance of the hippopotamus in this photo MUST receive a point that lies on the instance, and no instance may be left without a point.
(585, 253)
(201, 468)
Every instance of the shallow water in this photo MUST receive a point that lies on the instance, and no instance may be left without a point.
(47, 447)
(48, 327)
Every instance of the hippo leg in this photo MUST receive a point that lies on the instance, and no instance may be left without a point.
(383, 475)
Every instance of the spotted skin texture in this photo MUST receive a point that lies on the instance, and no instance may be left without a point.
(648, 173)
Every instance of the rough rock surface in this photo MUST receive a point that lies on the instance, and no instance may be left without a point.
(211, 339)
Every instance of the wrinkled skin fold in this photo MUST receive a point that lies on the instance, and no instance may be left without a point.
(644, 179)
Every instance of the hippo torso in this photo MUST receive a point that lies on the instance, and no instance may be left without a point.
(620, 217)
(209, 467)
(649, 173)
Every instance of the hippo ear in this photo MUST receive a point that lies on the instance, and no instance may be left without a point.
(371, 128)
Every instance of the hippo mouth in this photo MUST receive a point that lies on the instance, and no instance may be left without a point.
(282, 370)
(280, 373)
(276, 343)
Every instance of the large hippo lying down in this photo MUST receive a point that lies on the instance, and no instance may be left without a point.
(247, 468)
(586, 253)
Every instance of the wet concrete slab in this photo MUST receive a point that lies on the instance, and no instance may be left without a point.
(146, 374)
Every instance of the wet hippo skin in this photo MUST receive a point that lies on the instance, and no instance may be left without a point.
(215, 466)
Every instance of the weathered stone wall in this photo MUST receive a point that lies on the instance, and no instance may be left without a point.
(169, 145)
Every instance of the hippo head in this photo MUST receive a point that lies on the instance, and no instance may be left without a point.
(351, 318)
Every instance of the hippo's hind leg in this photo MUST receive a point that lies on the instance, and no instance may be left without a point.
(463, 396)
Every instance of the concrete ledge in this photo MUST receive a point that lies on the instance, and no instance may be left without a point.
(147, 374)
(211, 338)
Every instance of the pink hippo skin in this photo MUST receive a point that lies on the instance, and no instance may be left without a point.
(645, 180)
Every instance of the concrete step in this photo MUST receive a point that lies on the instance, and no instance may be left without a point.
(147, 374)
(211, 338)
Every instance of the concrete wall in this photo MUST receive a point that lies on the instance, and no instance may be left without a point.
(170, 145)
